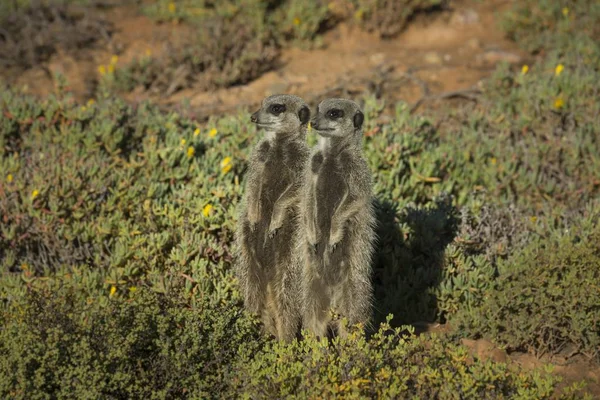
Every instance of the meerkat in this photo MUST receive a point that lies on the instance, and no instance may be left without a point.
(337, 223)
(269, 277)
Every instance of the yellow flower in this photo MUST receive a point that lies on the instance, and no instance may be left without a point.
(35, 194)
(565, 11)
(559, 69)
(493, 161)
(525, 69)
(132, 289)
(533, 219)
(226, 165)
(183, 141)
(83, 108)
(102, 70)
(206, 211)
(190, 152)
(113, 290)
(559, 103)
(111, 69)
(297, 21)
(90, 102)
(9, 178)
(172, 7)
(148, 52)
(196, 131)
(114, 59)
(213, 132)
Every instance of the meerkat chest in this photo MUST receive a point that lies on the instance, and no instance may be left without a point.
(330, 183)
(279, 171)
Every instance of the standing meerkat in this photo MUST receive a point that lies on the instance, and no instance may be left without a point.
(337, 222)
(269, 277)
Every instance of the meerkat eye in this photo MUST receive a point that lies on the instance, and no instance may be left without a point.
(276, 109)
(335, 113)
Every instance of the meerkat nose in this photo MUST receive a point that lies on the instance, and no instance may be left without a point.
(254, 117)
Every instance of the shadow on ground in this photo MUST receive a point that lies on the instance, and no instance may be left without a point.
(409, 257)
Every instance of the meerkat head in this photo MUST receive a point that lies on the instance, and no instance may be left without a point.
(338, 118)
(282, 113)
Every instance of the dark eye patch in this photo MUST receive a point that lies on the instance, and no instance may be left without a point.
(276, 109)
(334, 113)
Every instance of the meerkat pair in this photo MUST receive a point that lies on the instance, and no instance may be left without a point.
(306, 228)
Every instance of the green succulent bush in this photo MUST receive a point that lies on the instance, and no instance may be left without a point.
(391, 364)
(546, 297)
(116, 239)
(113, 211)
(140, 344)
(553, 25)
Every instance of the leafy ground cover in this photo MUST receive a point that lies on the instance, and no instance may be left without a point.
(117, 225)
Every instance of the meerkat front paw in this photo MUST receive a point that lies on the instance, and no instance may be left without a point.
(332, 247)
(335, 237)
(274, 227)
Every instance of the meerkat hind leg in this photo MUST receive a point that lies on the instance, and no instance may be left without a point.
(316, 315)
(269, 313)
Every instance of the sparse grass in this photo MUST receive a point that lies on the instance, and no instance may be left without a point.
(554, 25)
(33, 31)
(238, 40)
(389, 17)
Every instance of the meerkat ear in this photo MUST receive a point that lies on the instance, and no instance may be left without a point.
(359, 117)
(304, 114)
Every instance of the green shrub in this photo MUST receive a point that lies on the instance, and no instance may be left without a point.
(389, 17)
(33, 31)
(389, 365)
(139, 344)
(233, 45)
(117, 225)
(553, 25)
(546, 297)
(125, 216)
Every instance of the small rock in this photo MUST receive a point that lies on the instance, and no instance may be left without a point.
(496, 56)
(465, 17)
(484, 349)
(297, 79)
(377, 58)
(433, 58)
(276, 88)
(474, 43)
